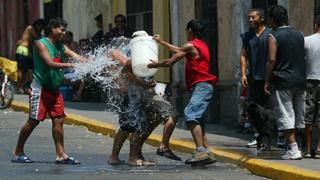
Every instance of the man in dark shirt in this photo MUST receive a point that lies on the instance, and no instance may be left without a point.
(254, 56)
(98, 38)
(287, 69)
(120, 30)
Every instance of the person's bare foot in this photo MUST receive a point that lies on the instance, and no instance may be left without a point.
(114, 161)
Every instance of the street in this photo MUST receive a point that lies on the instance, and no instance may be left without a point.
(92, 149)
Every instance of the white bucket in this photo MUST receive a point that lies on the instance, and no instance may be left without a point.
(143, 48)
(160, 88)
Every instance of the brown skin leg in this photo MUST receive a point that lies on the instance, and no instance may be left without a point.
(197, 133)
(119, 139)
(290, 135)
(318, 146)
(168, 128)
(308, 134)
(135, 144)
(25, 132)
(57, 134)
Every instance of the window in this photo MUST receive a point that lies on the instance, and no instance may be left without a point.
(316, 7)
(139, 15)
(52, 8)
(206, 10)
(263, 4)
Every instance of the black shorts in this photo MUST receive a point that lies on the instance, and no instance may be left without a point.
(25, 63)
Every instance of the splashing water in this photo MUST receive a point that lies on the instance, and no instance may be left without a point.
(106, 72)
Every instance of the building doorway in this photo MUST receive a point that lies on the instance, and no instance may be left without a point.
(51, 9)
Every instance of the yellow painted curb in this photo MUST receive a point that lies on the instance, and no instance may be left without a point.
(259, 167)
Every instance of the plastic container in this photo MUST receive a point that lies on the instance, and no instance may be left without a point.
(143, 48)
(160, 88)
(66, 92)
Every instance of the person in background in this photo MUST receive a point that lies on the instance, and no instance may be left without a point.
(120, 29)
(286, 70)
(24, 53)
(98, 37)
(70, 78)
(312, 116)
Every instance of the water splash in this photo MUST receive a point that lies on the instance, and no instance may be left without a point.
(106, 72)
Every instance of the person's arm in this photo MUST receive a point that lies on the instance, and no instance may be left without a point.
(69, 53)
(117, 55)
(46, 58)
(134, 79)
(271, 63)
(170, 47)
(243, 67)
(182, 52)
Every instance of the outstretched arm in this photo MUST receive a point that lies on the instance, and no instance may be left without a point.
(170, 47)
(182, 52)
(46, 58)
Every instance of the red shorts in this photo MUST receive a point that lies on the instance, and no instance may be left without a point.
(43, 101)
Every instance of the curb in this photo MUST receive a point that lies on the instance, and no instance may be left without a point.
(259, 167)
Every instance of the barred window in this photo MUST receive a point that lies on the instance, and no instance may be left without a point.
(316, 7)
(139, 15)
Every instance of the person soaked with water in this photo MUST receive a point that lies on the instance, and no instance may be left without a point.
(146, 110)
(49, 54)
(199, 81)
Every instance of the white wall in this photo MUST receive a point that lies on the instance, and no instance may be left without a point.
(80, 16)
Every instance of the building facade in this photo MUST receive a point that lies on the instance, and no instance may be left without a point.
(226, 20)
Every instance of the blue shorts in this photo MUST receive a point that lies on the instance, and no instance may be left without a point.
(198, 103)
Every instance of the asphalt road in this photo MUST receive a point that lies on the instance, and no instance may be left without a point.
(92, 150)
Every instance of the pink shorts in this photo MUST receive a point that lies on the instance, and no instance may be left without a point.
(43, 101)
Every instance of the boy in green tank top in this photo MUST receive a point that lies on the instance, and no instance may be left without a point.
(48, 54)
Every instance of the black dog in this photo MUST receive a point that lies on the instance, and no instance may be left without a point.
(264, 120)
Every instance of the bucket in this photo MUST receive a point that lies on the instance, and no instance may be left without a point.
(143, 48)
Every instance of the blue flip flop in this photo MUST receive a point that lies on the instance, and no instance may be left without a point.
(22, 159)
(69, 160)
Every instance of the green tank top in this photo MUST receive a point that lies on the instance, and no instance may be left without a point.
(49, 78)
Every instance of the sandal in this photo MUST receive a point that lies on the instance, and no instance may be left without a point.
(140, 162)
(307, 154)
(22, 159)
(69, 160)
(168, 154)
(316, 154)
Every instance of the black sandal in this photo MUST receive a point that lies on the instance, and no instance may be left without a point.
(168, 154)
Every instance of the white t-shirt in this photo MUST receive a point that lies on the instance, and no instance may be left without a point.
(312, 47)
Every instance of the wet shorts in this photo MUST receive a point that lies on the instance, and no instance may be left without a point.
(43, 101)
(198, 103)
(131, 117)
(157, 109)
(313, 102)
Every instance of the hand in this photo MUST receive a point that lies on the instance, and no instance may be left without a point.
(157, 37)
(267, 87)
(70, 65)
(153, 64)
(150, 84)
(244, 81)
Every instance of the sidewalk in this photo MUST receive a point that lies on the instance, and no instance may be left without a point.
(229, 146)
